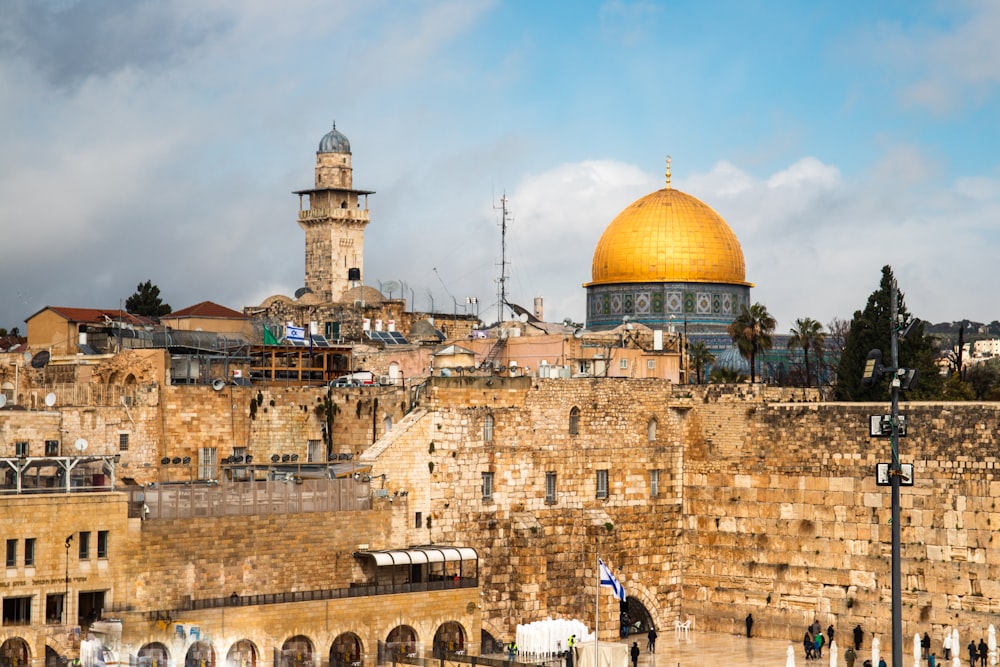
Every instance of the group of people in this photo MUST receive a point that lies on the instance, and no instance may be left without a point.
(813, 641)
(977, 652)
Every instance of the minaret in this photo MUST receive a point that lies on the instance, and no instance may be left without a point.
(334, 220)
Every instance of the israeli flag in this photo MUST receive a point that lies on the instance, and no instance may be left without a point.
(295, 333)
(608, 579)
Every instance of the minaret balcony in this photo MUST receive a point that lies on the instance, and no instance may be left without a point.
(359, 214)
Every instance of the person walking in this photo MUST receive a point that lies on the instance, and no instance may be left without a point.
(984, 651)
(859, 636)
(973, 654)
(635, 654)
(749, 623)
(651, 640)
(850, 655)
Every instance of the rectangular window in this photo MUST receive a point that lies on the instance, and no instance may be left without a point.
(21, 448)
(123, 442)
(84, 546)
(418, 520)
(488, 486)
(550, 488)
(623, 364)
(53, 608)
(651, 364)
(102, 544)
(52, 448)
(17, 611)
(488, 428)
(29, 551)
(207, 459)
(654, 483)
(11, 553)
(602, 483)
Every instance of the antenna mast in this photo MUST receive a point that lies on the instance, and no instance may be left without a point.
(502, 281)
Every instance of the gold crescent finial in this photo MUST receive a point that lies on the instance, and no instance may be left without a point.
(668, 172)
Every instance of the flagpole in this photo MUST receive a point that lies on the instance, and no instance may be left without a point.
(597, 616)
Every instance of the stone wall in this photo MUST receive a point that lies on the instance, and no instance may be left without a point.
(767, 503)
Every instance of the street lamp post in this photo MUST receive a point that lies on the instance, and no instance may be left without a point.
(901, 379)
(65, 609)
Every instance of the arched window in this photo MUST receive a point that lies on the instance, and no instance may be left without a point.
(574, 421)
(387, 423)
(651, 430)
(488, 428)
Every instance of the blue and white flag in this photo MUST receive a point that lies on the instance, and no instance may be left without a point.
(295, 333)
(608, 579)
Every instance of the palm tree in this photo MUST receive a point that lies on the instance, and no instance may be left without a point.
(807, 333)
(751, 333)
(723, 375)
(699, 356)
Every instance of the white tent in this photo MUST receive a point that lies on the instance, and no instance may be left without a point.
(613, 654)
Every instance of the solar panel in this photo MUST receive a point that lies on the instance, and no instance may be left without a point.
(387, 337)
(319, 340)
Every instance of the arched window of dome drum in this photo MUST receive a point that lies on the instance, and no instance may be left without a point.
(343, 204)
(651, 430)
(574, 421)
(488, 428)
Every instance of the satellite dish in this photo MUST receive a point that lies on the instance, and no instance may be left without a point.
(626, 319)
(523, 317)
(3, 400)
(81, 445)
(27, 357)
(578, 333)
(50, 399)
(40, 359)
(390, 286)
(218, 384)
(302, 291)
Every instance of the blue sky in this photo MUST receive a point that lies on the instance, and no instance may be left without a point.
(161, 141)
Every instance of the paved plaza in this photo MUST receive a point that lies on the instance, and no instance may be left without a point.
(701, 649)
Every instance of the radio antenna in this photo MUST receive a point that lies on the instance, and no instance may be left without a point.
(502, 280)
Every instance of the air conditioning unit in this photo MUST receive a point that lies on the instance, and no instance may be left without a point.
(385, 380)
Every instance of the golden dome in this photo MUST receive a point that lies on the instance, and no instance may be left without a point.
(668, 236)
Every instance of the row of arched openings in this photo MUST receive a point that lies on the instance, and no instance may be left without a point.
(346, 650)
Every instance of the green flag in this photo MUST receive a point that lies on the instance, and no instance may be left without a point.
(269, 338)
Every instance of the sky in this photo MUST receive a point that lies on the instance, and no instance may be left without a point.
(162, 140)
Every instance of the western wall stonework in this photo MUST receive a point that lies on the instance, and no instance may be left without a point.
(767, 503)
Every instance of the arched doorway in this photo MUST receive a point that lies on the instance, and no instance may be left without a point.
(402, 640)
(154, 655)
(200, 654)
(635, 617)
(14, 653)
(52, 658)
(242, 654)
(449, 638)
(346, 651)
(297, 652)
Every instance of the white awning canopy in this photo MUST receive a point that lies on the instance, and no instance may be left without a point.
(420, 555)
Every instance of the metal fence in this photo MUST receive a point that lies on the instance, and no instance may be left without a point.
(185, 501)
